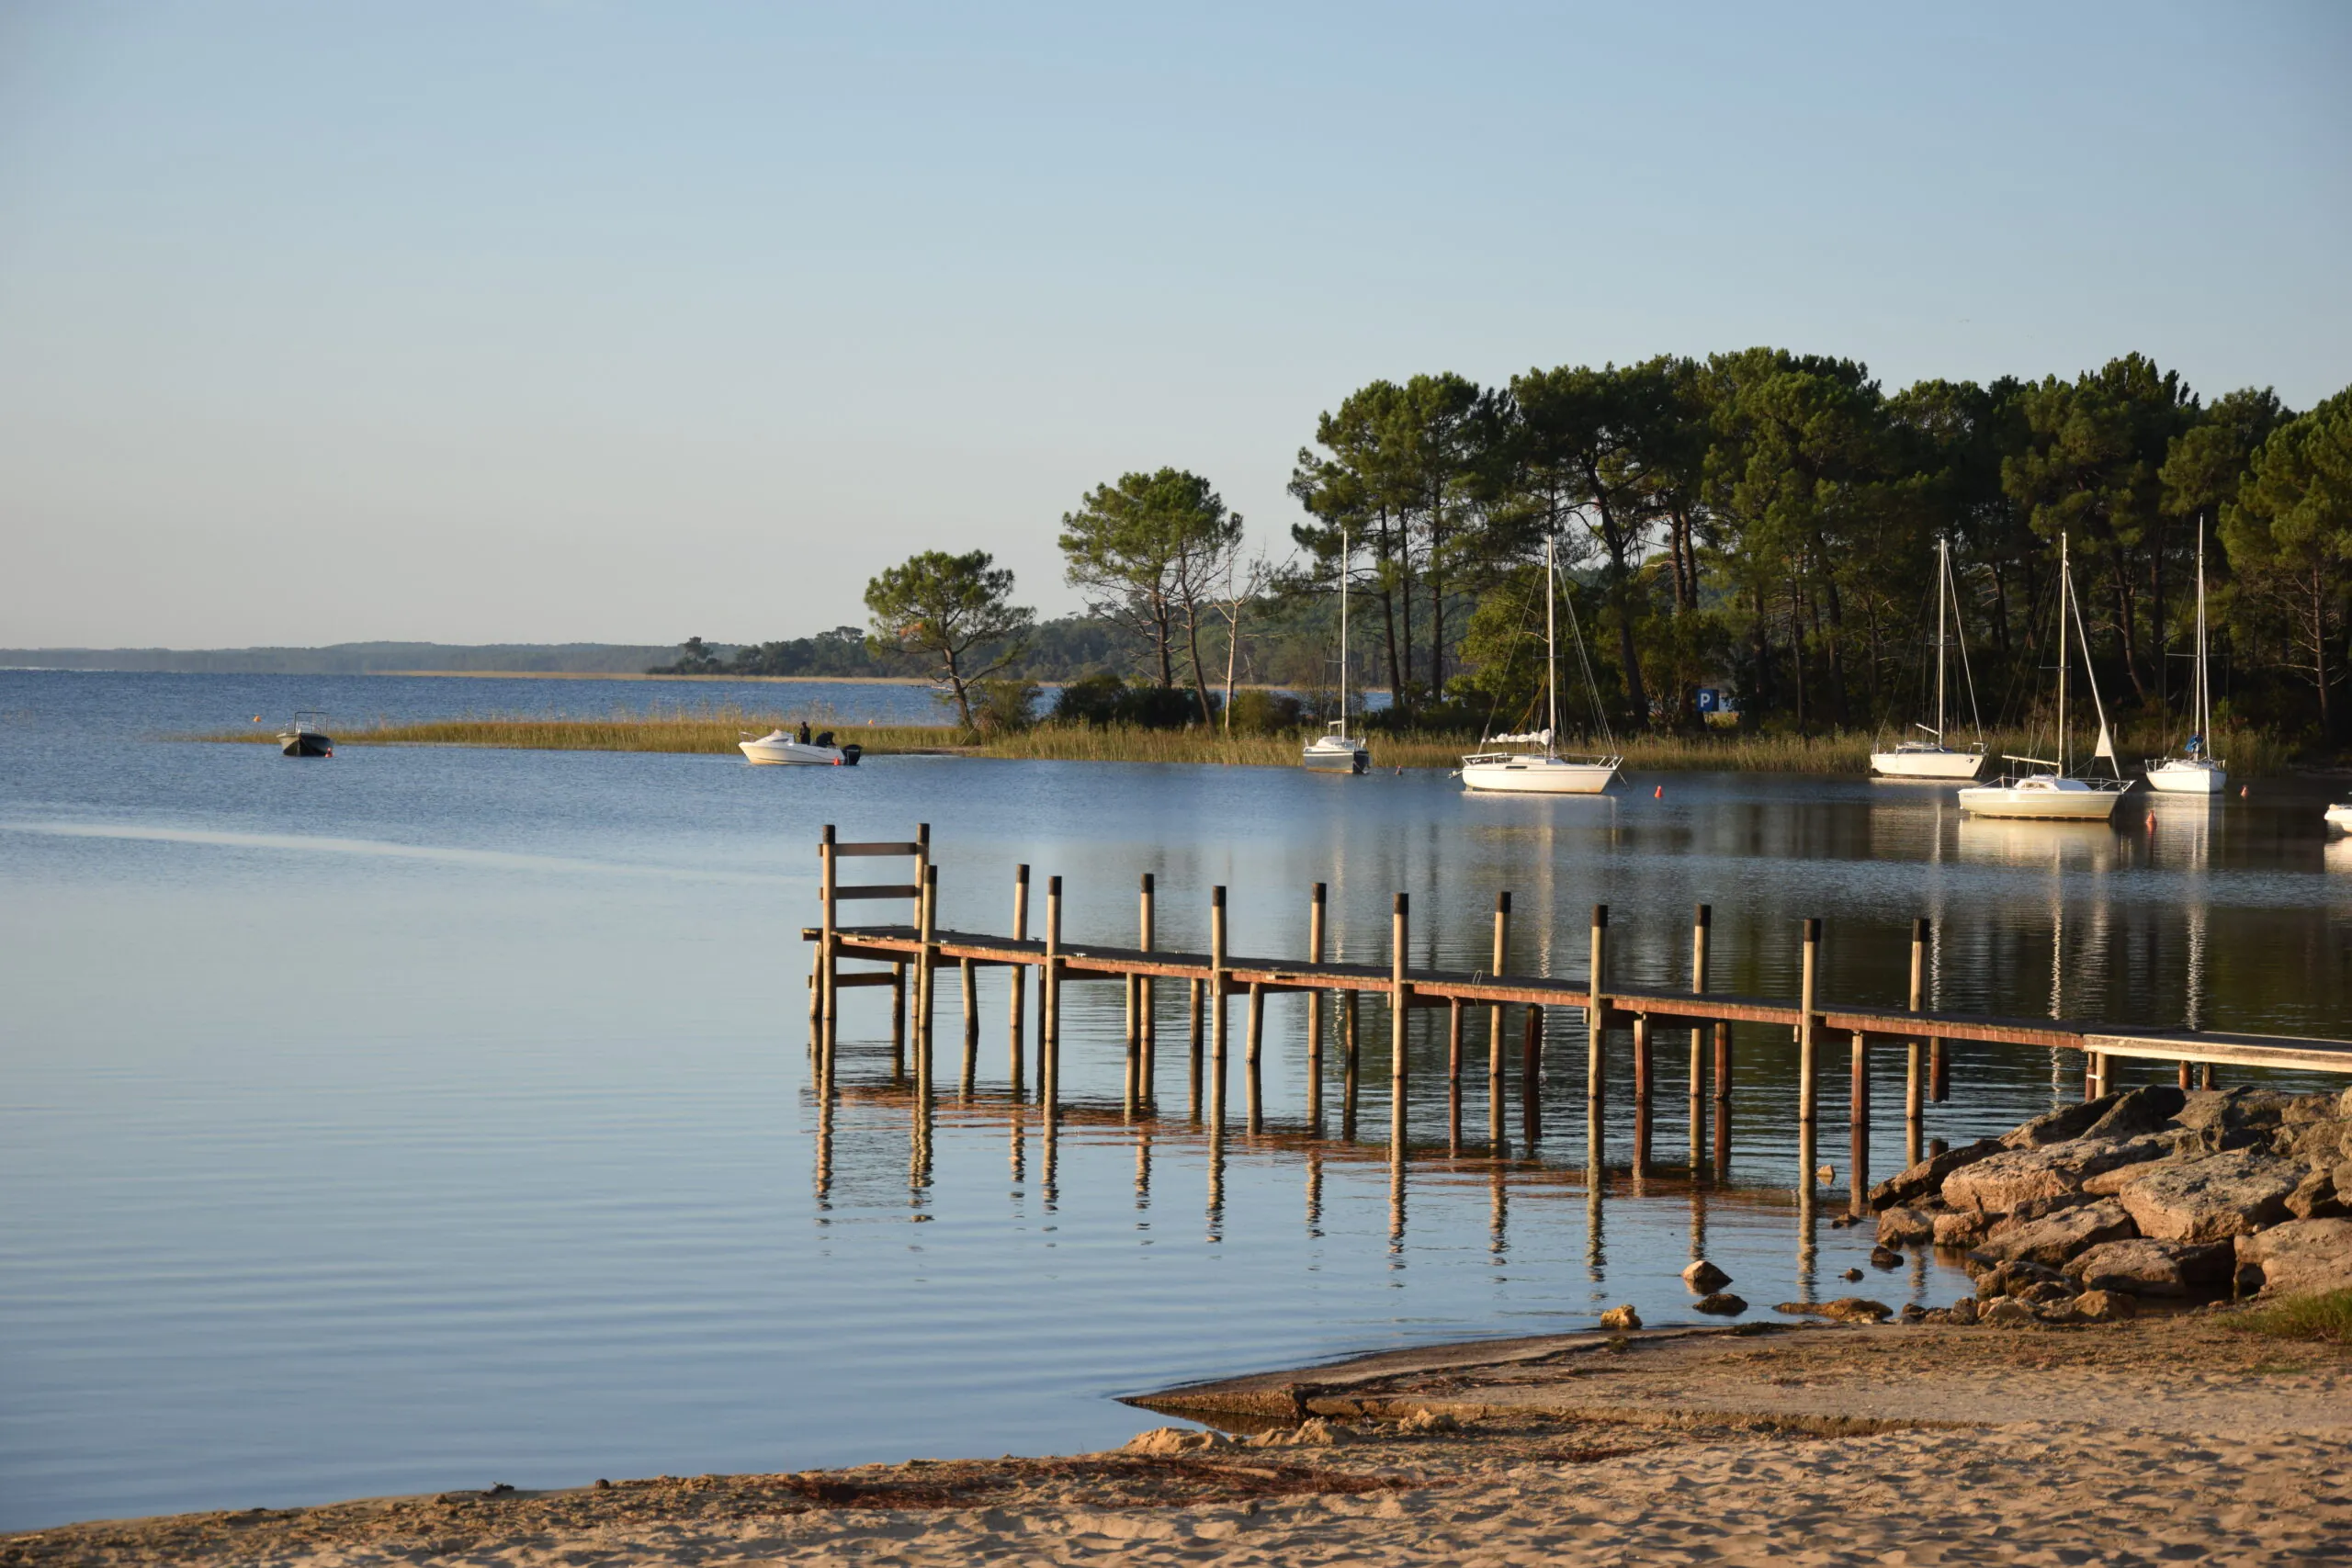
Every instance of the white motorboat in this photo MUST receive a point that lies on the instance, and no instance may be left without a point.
(1931, 759)
(776, 746)
(2056, 795)
(1546, 772)
(2194, 772)
(306, 737)
(2339, 816)
(1339, 752)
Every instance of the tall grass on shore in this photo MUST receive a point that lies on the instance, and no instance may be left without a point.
(2326, 1317)
(716, 730)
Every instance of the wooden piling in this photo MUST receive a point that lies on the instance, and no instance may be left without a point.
(1858, 1108)
(1218, 1021)
(1453, 1042)
(1914, 1106)
(1147, 989)
(1049, 985)
(1531, 1078)
(1195, 990)
(1723, 1101)
(1019, 975)
(926, 979)
(1315, 910)
(1645, 1088)
(828, 945)
(1255, 1087)
(1400, 995)
(2187, 1075)
(1595, 1012)
(971, 1023)
(1701, 930)
(1808, 1087)
(897, 1021)
(1495, 1063)
(1352, 1061)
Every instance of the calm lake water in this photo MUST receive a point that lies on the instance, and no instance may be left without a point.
(429, 1117)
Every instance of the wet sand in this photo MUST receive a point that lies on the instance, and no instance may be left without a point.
(2163, 1439)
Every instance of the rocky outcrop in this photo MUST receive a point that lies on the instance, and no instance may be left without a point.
(2053, 1238)
(2213, 1197)
(1622, 1318)
(2000, 1183)
(2299, 1257)
(2060, 1126)
(2138, 1113)
(2144, 1267)
(1906, 1227)
(1720, 1304)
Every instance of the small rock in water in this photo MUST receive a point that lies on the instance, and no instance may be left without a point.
(1722, 1304)
(1705, 1277)
(1620, 1318)
(1885, 1258)
(1852, 1274)
(1912, 1313)
(1826, 1175)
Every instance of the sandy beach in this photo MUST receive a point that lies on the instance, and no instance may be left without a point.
(2173, 1439)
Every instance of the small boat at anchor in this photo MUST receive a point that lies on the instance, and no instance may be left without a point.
(1931, 759)
(305, 737)
(1546, 772)
(2339, 816)
(2057, 794)
(801, 750)
(2197, 771)
(1339, 752)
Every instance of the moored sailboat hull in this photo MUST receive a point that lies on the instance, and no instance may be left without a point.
(2045, 798)
(1513, 774)
(1927, 763)
(2187, 775)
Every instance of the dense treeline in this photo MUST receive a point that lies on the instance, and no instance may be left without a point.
(1766, 522)
(1762, 523)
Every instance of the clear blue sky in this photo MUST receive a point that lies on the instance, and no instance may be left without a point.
(602, 321)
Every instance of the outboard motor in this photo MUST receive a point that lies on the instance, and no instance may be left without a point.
(851, 753)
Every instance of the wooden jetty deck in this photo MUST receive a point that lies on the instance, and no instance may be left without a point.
(914, 954)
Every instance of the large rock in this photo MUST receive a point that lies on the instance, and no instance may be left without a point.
(1999, 1183)
(2062, 1125)
(2141, 1266)
(2014, 1278)
(2213, 1198)
(2053, 1238)
(2316, 1146)
(2104, 1307)
(1962, 1227)
(2299, 1257)
(2008, 1313)
(2239, 1117)
(2137, 1113)
(1925, 1179)
(2315, 1197)
(1906, 1227)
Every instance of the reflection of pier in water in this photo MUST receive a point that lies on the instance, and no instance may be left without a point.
(1034, 1145)
(914, 954)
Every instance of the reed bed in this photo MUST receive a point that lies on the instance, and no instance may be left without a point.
(2250, 754)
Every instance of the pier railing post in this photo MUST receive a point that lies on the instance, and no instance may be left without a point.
(1644, 1091)
(1020, 979)
(1255, 1085)
(1531, 1079)
(1808, 1061)
(1195, 990)
(1314, 910)
(1218, 1021)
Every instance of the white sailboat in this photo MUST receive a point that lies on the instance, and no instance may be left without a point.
(2056, 795)
(1339, 752)
(1546, 772)
(2195, 772)
(1931, 759)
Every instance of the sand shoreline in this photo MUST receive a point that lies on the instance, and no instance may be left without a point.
(2167, 1438)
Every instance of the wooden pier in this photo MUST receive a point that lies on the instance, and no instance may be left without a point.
(914, 954)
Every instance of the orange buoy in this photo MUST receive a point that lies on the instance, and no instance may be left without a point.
(1658, 794)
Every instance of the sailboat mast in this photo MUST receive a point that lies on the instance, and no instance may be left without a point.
(2065, 598)
(1943, 576)
(1343, 629)
(1551, 653)
(2204, 681)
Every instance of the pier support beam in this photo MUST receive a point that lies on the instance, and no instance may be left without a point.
(1147, 993)
(1914, 1097)
(1496, 1129)
(1702, 929)
(1808, 1054)
(1020, 977)
(1049, 1072)
(1314, 907)
(1218, 1021)
(1595, 1012)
